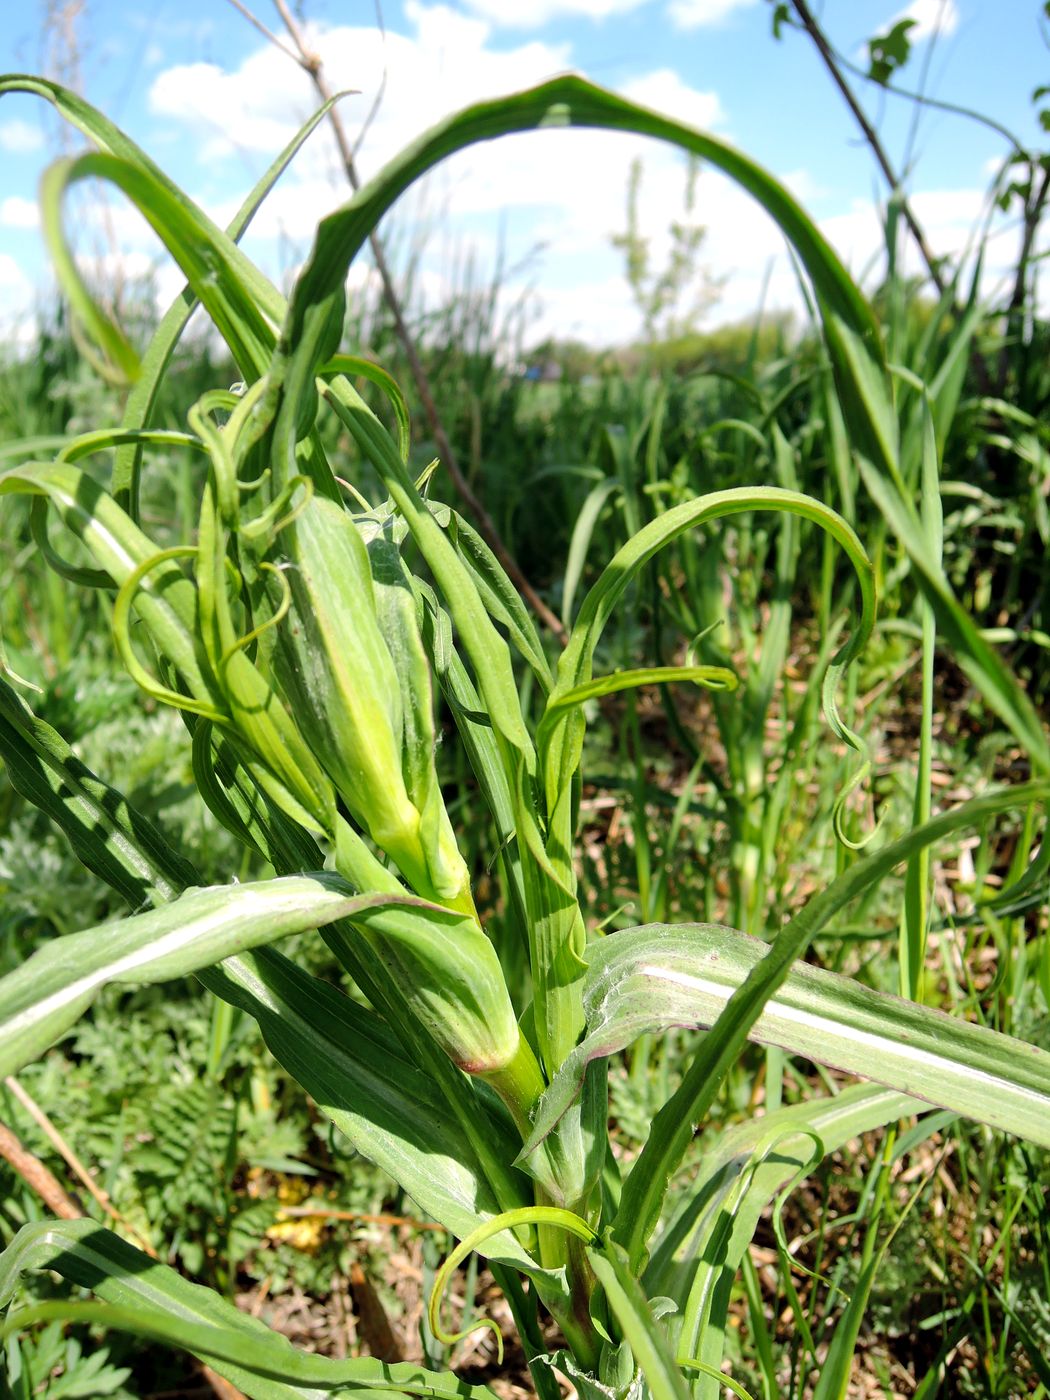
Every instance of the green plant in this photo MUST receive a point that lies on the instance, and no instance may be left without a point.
(659, 296)
(303, 650)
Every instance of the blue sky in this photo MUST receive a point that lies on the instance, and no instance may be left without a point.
(206, 95)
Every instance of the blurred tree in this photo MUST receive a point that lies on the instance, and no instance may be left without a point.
(672, 300)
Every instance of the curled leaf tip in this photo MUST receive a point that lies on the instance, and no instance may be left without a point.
(450, 1339)
(838, 816)
(278, 570)
(6, 670)
(508, 1220)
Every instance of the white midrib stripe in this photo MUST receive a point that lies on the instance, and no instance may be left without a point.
(776, 1019)
(182, 937)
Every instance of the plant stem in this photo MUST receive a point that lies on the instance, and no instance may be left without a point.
(519, 1084)
(579, 1328)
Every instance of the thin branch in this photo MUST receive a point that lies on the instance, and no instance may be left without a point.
(73, 1162)
(815, 32)
(938, 104)
(924, 74)
(377, 101)
(257, 23)
(311, 63)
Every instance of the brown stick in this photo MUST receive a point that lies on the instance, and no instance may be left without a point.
(38, 1177)
(311, 64)
(372, 1321)
(224, 1389)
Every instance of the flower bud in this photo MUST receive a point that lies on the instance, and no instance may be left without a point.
(399, 623)
(449, 974)
(365, 715)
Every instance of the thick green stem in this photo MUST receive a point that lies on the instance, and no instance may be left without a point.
(519, 1084)
(578, 1326)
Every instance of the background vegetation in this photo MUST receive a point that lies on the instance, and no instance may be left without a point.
(696, 805)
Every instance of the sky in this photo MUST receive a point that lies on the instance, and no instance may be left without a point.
(213, 100)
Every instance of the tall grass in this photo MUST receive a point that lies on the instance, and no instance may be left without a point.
(304, 633)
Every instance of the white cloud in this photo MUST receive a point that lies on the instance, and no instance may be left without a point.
(692, 14)
(122, 268)
(16, 212)
(598, 311)
(11, 275)
(17, 323)
(444, 63)
(931, 17)
(803, 186)
(952, 221)
(564, 189)
(18, 137)
(255, 108)
(515, 14)
(665, 91)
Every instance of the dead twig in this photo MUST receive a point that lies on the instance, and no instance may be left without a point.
(815, 32)
(373, 1325)
(871, 136)
(37, 1177)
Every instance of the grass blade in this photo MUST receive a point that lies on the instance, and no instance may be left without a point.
(153, 1300)
(674, 1125)
(44, 997)
(648, 980)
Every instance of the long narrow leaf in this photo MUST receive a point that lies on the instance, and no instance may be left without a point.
(749, 1166)
(390, 1111)
(647, 980)
(647, 1338)
(110, 837)
(154, 1300)
(427, 1130)
(44, 997)
(674, 1125)
(138, 410)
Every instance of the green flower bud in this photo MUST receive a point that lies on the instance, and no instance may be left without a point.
(361, 712)
(447, 971)
(399, 623)
(451, 977)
